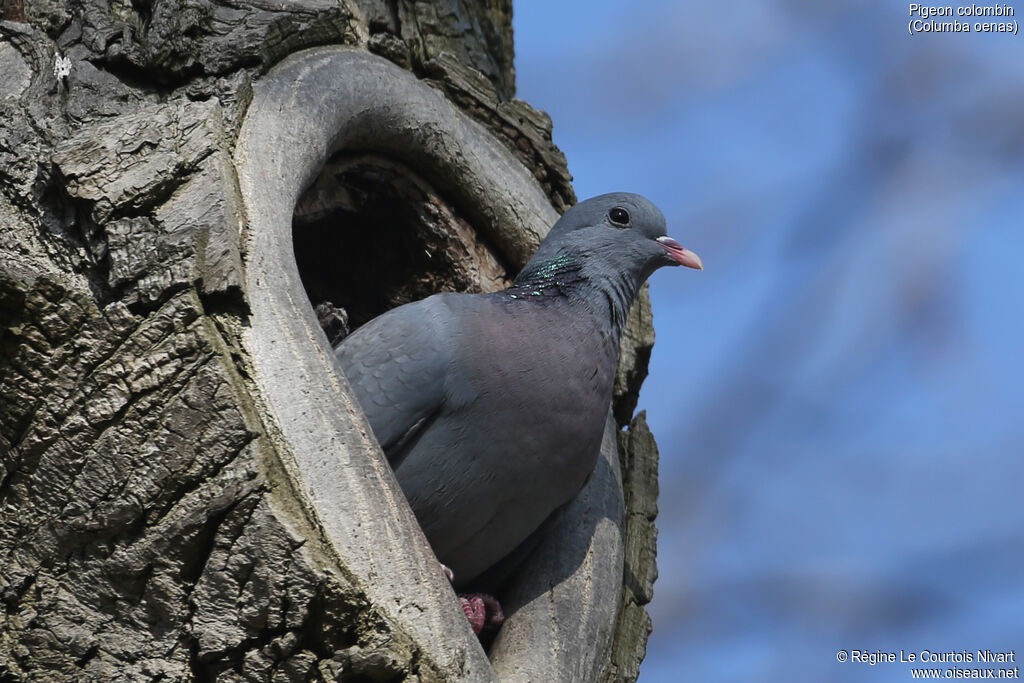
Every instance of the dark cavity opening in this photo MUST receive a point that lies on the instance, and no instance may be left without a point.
(369, 235)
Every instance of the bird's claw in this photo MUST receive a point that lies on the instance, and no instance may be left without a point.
(482, 611)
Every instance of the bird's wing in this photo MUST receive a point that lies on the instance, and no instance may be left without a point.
(396, 364)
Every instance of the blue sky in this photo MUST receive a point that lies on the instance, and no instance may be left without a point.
(837, 397)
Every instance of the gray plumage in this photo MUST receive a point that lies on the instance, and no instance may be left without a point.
(491, 407)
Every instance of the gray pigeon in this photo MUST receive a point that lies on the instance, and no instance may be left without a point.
(491, 407)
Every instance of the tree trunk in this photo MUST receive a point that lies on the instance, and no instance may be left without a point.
(189, 490)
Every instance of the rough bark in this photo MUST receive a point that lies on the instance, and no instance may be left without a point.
(157, 519)
(639, 454)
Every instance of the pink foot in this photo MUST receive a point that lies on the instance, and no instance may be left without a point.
(482, 611)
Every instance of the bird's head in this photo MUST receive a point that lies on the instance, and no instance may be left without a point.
(628, 223)
(601, 251)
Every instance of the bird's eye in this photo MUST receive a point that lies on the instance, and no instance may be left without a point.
(619, 216)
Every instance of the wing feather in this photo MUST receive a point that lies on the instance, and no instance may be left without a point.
(396, 364)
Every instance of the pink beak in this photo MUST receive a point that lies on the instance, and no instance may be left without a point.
(679, 254)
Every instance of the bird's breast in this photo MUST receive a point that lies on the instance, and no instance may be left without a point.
(540, 404)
